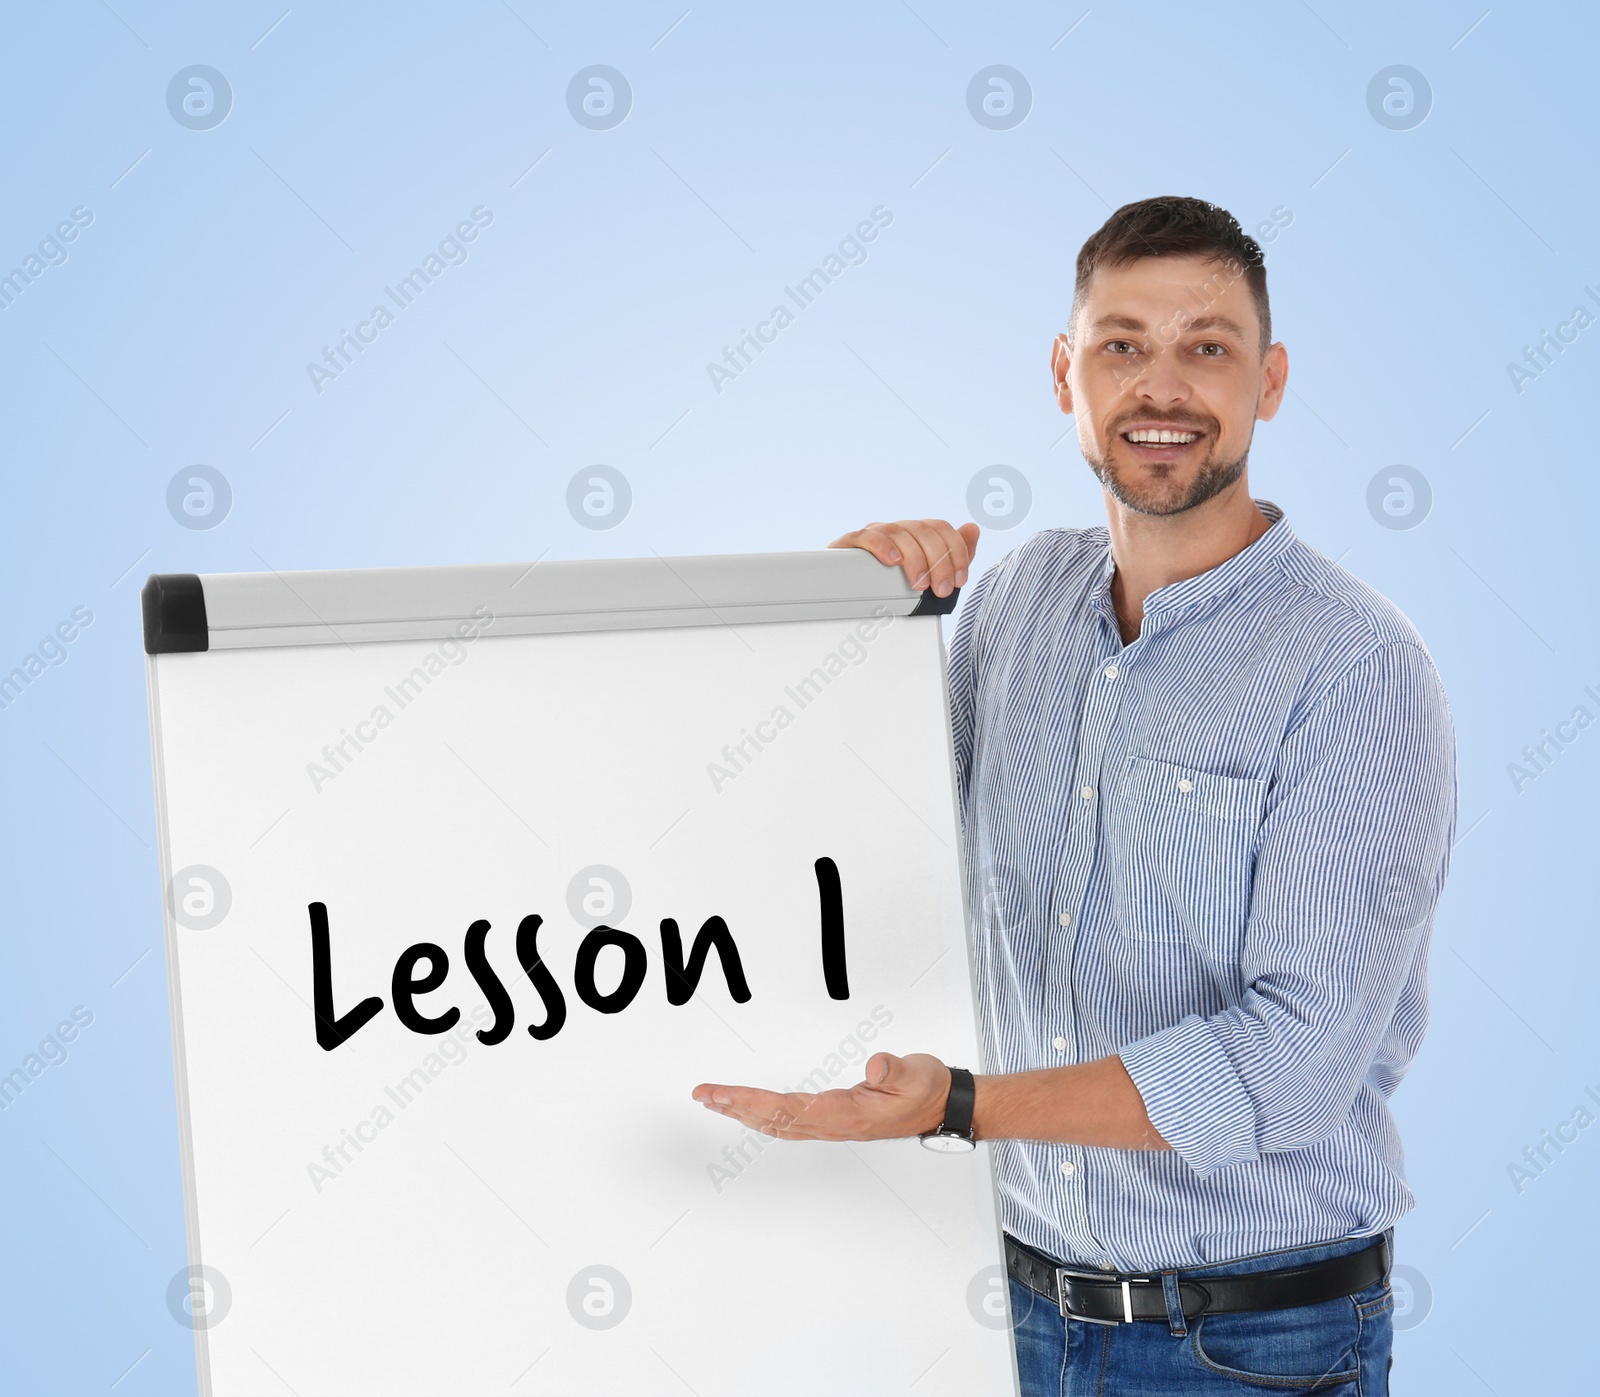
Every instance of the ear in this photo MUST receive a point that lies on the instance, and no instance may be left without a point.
(1060, 363)
(1274, 380)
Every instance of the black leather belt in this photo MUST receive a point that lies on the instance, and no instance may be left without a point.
(1112, 1297)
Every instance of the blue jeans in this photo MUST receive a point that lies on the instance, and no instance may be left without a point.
(1338, 1348)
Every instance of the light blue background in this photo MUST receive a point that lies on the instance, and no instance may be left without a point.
(219, 262)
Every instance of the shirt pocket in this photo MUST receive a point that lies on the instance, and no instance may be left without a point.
(1183, 844)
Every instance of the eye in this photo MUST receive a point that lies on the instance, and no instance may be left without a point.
(1211, 350)
(1121, 347)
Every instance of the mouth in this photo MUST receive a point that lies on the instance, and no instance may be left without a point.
(1161, 443)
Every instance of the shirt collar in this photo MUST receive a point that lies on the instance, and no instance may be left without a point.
(1165, 604)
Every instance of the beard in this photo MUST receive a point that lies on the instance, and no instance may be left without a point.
(1156, 488)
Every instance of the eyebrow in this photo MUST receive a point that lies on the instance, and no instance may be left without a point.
(1199, 322)
(1116, 322)
(1216, 322)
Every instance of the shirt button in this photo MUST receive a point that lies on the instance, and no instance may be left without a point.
(1111, 671)
(1061, 1045)
(1065, 919)
(1087, 792)
(1186, 785)
(1068, 1168)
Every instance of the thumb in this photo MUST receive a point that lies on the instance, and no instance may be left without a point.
(970, 532)
(882, 1069)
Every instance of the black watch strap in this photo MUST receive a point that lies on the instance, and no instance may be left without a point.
(958, 1109)
(955, 1134)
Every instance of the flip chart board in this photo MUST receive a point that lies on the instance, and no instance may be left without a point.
(471, 874)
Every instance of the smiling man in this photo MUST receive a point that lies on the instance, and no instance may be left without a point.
(1208, 796)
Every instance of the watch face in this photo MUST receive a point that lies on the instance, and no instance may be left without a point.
(948, 1144)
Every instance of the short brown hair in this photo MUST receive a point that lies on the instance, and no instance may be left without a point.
(1175, 226)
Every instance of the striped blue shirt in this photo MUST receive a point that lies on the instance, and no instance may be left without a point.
(1216, 852)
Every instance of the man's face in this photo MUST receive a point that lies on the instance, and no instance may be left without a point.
(1166, 376)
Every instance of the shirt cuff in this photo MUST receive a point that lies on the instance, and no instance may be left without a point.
(1193, 1096)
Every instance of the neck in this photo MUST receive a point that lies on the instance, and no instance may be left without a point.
(1154, 551)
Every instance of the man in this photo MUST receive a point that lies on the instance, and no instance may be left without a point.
(1208, 798)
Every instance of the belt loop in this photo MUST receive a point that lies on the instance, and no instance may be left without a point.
(1169, 1290)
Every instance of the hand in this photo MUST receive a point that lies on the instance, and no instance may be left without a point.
(901, 1096)
(933, 553)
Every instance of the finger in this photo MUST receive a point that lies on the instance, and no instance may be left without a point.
(945, 552)
(883, 541)
(906, 547)
(963, 544)
(745, 1098)
(970, 534)
(842, 1121)
(828, 1115)
(923, 546)
(784, 1122)
(874, 539)
(783, 1115)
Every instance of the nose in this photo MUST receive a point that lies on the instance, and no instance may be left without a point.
(1161, 381)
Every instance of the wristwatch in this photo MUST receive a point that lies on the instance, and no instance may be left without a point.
(954, 1135)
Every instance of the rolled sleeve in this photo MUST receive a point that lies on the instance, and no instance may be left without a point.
(1352, 856)
(1193, 1095)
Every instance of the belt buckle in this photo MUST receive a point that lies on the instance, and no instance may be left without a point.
(1100, 1277)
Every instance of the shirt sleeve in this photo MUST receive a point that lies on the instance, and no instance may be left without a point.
(1354, 848)
(963, 670)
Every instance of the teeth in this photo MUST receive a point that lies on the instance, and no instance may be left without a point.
(1163, 437)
